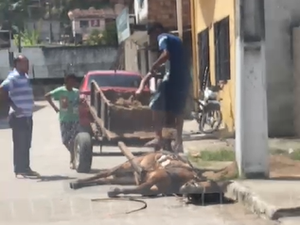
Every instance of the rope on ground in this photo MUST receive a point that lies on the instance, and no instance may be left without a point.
(124, 199)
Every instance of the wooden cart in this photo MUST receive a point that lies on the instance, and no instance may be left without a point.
(113, 122)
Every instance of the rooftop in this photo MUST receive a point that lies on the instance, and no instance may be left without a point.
(92, 13)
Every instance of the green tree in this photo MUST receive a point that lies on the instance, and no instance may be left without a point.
(13, 12)
(106, 37)
(4, 10)
(110, 36)
(95, 38)
(28, 38)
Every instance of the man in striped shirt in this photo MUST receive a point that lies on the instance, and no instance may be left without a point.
(17, 89)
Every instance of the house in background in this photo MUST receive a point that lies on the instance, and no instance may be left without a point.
(87, 20)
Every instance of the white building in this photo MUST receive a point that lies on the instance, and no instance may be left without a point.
(85, 21)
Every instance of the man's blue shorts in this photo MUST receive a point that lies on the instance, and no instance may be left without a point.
(172, 100)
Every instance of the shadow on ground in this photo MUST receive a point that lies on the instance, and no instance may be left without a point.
(108, 154)
(38, 107)
(198, 136)
(53, 178)
(94, 171)
(130, 143)
(209, 199)
(286, 178)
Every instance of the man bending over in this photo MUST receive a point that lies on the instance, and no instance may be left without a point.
(172, 93)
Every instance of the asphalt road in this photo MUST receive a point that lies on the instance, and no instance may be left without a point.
(50, 201)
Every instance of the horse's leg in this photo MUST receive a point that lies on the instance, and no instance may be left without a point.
(103, 174)
(157, 182)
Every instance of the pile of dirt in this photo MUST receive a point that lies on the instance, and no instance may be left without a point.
(129, 114)
(280, 166)
(129, 103)
(283, 166)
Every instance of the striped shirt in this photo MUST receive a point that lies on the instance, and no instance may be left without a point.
(20, 92)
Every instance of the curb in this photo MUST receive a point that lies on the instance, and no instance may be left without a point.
(258, 206)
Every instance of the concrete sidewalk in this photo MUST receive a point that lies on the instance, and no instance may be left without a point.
(275, 199)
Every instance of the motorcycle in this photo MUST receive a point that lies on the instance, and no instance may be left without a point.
(208, 112)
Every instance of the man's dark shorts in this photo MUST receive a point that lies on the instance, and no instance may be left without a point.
(171, 100)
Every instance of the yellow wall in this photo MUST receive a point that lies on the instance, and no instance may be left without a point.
(204, 14)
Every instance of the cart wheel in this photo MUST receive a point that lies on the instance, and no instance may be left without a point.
(83, 151)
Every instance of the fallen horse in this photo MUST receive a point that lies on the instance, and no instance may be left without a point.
(153, 174)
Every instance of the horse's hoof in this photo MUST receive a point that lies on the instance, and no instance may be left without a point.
(113, 192)
(74, 185)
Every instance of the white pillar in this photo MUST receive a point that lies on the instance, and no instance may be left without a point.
(296, 58)
(143, 62)
(179, 18)
(251, 103)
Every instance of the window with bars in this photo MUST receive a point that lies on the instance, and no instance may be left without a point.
(204, 58)
(222, 50)
(83, 23)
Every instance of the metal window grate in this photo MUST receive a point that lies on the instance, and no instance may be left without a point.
(204, 58)
(222, 50)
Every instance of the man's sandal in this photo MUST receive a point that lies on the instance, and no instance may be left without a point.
(28, 173)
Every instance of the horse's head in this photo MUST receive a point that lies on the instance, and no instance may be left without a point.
(198, 186)
(193, 186)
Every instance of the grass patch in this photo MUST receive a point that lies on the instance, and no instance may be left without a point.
(276, 151)
(293, 154)
(219, 155)
(207, 158)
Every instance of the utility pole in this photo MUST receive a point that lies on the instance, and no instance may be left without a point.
(251, 122)
(50, 19)
(179, 18)
(19, 40)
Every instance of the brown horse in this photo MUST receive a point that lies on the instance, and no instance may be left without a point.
(153, 173)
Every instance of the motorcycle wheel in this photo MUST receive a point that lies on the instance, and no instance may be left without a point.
(213, 125)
